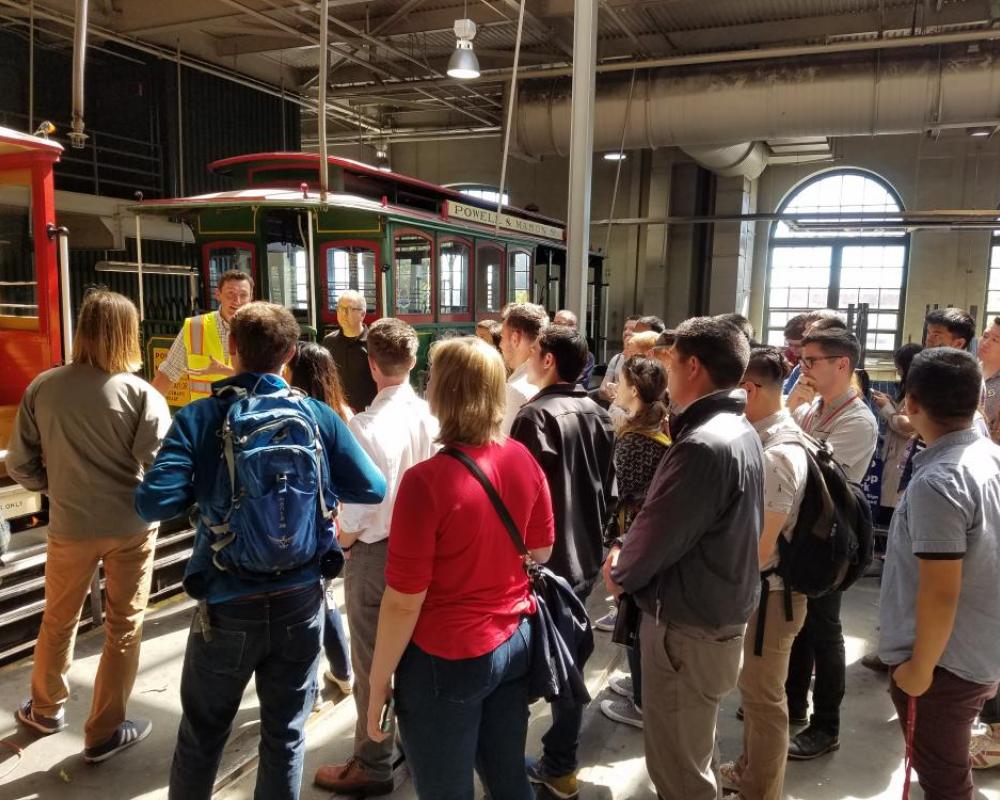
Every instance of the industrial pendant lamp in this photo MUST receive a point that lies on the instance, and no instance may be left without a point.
(463, 63)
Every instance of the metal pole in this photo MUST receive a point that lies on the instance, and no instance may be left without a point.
(138, 261)
(581, 156)
(310, 270)
(76, 135)
(31, 66)
(66, 295)
(324, 60)
(510, 116)
(180, 126)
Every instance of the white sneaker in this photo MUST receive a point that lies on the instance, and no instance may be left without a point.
(622, 685)
(623, 711)
(607, 622)
(984, 748)
(730, 776)
(346, 687)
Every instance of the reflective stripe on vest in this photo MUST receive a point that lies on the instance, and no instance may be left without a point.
(203, 342)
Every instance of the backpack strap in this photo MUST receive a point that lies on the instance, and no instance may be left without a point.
(765, 591)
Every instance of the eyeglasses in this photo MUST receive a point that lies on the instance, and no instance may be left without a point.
(810, 361)
(360, 310)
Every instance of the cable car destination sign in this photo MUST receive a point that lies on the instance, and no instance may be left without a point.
(508, 222)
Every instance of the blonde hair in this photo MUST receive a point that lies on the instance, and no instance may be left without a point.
(468, 390)
(641, 343)
(107, 333)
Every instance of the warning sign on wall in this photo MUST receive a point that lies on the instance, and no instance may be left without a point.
(157, 348)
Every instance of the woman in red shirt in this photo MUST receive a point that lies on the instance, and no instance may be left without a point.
(453, 623)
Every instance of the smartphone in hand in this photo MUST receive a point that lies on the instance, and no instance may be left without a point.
(385, 721)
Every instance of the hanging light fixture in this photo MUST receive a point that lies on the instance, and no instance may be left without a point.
(463, 63)
(615, 156)
(382, 156)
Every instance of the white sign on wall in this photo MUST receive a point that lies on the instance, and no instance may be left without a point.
(508, 222)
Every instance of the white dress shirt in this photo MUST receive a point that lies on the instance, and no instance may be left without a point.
(519, 391)
(397, 430)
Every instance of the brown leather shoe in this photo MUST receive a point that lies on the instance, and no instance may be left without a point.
(351, 778)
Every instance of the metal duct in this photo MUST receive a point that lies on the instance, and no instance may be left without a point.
(746, 159)
(714, 108)
(77, 137)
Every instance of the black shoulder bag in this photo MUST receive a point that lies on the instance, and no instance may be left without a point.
(561, 637)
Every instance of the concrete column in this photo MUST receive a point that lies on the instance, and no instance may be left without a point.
(581, 149)
(733, 247)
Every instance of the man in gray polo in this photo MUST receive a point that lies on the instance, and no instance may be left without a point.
(940, 604)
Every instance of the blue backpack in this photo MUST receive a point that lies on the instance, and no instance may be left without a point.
(273, 475)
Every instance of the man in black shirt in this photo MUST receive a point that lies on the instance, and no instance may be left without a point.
(572, 438)
(349, 348)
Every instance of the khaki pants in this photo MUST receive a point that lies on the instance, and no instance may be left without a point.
(686, 671)
(69, 567)
(364, 585)
(765, 707)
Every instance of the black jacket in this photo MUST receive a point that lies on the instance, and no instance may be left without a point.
(351, 357)
(573, 440)
(691, 553)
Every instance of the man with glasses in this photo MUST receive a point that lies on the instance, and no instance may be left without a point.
(349, 348)
(839, 417)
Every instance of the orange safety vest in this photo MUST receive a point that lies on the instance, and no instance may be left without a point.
(202, 343)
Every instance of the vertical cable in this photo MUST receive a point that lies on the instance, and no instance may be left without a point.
(510, 115)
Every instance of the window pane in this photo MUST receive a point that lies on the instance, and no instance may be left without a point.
(350, 268)
(993, 293)
(453, 277)
(413, 275)
(489, 261)
(18, 287)
(286, 273)
(519, 276)
(223, 259)
(839, 192)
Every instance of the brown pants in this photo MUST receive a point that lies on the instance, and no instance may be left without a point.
(765, 708)
(686, 671)
(364, 585)
(69, 567)
(945, 713)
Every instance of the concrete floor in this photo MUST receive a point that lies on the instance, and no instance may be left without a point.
(868, 765)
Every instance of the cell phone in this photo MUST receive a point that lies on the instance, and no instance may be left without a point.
(385, 721)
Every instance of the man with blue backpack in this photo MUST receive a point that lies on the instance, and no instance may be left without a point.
(265, 467)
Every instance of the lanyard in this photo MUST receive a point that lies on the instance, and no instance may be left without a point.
(809, 426)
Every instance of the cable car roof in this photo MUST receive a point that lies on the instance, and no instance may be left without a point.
(16, 143)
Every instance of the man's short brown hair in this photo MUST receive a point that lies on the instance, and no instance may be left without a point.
(392, 345)
(264, 335)
(528, 319)
(235, 275)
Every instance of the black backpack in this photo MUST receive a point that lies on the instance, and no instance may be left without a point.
(833, 539)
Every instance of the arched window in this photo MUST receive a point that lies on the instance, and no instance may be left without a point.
(993, 280)
(839, 268)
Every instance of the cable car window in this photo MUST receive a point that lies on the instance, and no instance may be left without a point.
(413, 275)
(18, 281)
(224, 258)
(489, 270)
(519, 276)
(287, 259)
(350, 268)
(453, 274)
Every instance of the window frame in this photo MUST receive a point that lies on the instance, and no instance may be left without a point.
(509, 279)
(989, 313)
(470, 273)
(481, 312)
(206, 276)
(837, 243)
(329, 316)
(432, 239)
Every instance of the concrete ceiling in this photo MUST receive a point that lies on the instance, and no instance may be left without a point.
(388, 57)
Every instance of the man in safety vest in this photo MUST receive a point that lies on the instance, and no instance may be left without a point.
(201, 349)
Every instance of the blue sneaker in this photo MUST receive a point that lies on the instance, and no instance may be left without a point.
(130, 732)
(44, 725)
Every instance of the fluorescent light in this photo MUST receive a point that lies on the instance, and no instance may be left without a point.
(615, 156)
(981, 132)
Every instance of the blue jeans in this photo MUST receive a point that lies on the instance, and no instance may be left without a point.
(274, 638)
(334, 639)
(562, 739)
(456, 716)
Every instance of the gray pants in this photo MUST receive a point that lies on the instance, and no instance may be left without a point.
(364, 585)
(686, 671)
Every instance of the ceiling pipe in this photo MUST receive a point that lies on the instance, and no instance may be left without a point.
(324, 60)
(746, 160)
(713, 107)
(77, 137)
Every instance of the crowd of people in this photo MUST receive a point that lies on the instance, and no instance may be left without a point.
(679, 483)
